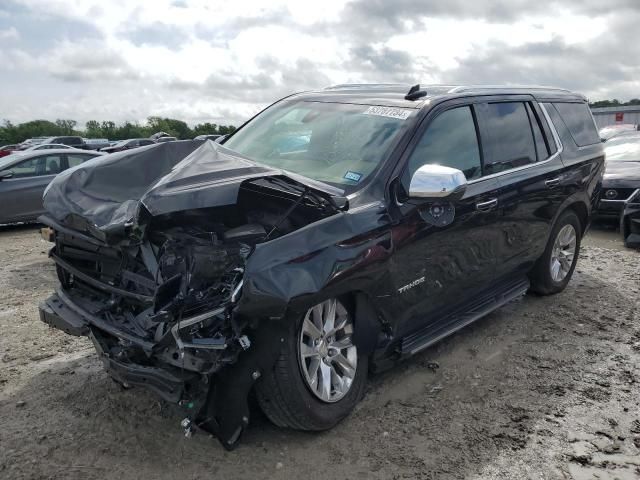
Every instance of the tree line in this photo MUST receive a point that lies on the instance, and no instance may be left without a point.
(614, 103)
(10, 133)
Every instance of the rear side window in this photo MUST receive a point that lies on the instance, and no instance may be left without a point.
(512, 144)
(577, 118)
(76, 159)
(449, 140)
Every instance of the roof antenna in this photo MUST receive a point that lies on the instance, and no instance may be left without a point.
(415, 93)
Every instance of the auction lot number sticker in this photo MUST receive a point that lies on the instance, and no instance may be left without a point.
(391, 112)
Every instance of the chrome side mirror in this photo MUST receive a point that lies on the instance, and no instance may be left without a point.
(6, 174)
(437, 182)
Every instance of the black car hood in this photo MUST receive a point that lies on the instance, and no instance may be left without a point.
(105, 194)
(622, 174)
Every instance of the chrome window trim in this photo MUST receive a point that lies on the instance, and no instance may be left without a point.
(556, 139)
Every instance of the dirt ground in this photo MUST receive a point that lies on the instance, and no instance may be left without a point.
(543, 388)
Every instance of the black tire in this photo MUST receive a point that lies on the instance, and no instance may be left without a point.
(540, 276)
(285, 398)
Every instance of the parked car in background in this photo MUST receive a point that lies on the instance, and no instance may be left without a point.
(25, 175)
(612, 130)
(407, 214)
(7, 150)
(127, 145)
(30, 142)
(47, 146)
(208, 137)
(166, 139)
(96, 143)
(72, 141)
(620, 196)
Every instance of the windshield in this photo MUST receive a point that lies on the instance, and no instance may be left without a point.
(623, 151)
(339, 144)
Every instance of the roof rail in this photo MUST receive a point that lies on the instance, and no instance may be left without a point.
(343, 86)
(466, 88)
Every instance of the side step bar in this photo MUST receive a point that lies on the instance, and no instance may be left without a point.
(426, 337)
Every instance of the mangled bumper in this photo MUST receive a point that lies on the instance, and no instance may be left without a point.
(59, 312)
(214, 401)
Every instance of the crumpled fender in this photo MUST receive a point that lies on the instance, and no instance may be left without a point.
(337, 255)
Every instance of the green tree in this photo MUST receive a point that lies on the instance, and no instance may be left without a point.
(66, 126)
(11, 133)
(93, 129)
(175, 128)
(108, 130)
(205, 129)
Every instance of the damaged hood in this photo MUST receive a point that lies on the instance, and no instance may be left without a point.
(106, 193)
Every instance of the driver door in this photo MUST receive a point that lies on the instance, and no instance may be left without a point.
(445, 251)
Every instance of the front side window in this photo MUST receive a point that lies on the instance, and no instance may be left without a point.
(339, 144)
(512, 144)
(35, 167)
(450, 140)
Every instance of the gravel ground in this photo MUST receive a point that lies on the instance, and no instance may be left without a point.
(545, 387)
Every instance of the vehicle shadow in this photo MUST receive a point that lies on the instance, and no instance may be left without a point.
(486, 392)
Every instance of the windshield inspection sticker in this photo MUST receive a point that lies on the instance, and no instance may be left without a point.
(353, 176)
(391, 112)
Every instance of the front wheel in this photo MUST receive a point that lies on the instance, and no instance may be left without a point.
(319, 376)
(554, 268)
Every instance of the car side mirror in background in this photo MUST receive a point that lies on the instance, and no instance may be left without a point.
(437, 182)
(6, 174)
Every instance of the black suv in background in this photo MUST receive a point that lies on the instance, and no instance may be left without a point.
(335, 233)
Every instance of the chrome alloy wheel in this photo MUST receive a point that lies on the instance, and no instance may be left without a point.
(564, 250)
(327, 356)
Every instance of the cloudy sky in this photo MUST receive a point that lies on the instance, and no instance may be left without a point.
(222, 61)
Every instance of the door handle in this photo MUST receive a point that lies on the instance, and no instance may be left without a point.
(553, 182)
(488, 205)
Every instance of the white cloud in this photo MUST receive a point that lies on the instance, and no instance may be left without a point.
(9, 34)
(222, 61)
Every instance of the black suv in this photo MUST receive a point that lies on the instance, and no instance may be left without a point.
(335, 233)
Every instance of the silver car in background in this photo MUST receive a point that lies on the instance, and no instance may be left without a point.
(25, 175)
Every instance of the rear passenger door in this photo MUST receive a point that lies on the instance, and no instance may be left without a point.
(521, 153)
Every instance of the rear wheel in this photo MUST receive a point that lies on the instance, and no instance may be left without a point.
(319, 376)
(554, 268)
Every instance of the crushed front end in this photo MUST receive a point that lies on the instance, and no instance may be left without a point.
(159, 311)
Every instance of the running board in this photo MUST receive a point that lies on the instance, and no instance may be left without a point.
(427, 336)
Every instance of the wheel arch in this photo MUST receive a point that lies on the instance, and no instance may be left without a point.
(582, 212)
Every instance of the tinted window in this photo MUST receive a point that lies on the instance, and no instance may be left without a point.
(35, 167)
(146, 142)
(449, 140)
(75, 159)
(512, 142)
(577, 118)
(541, 146)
